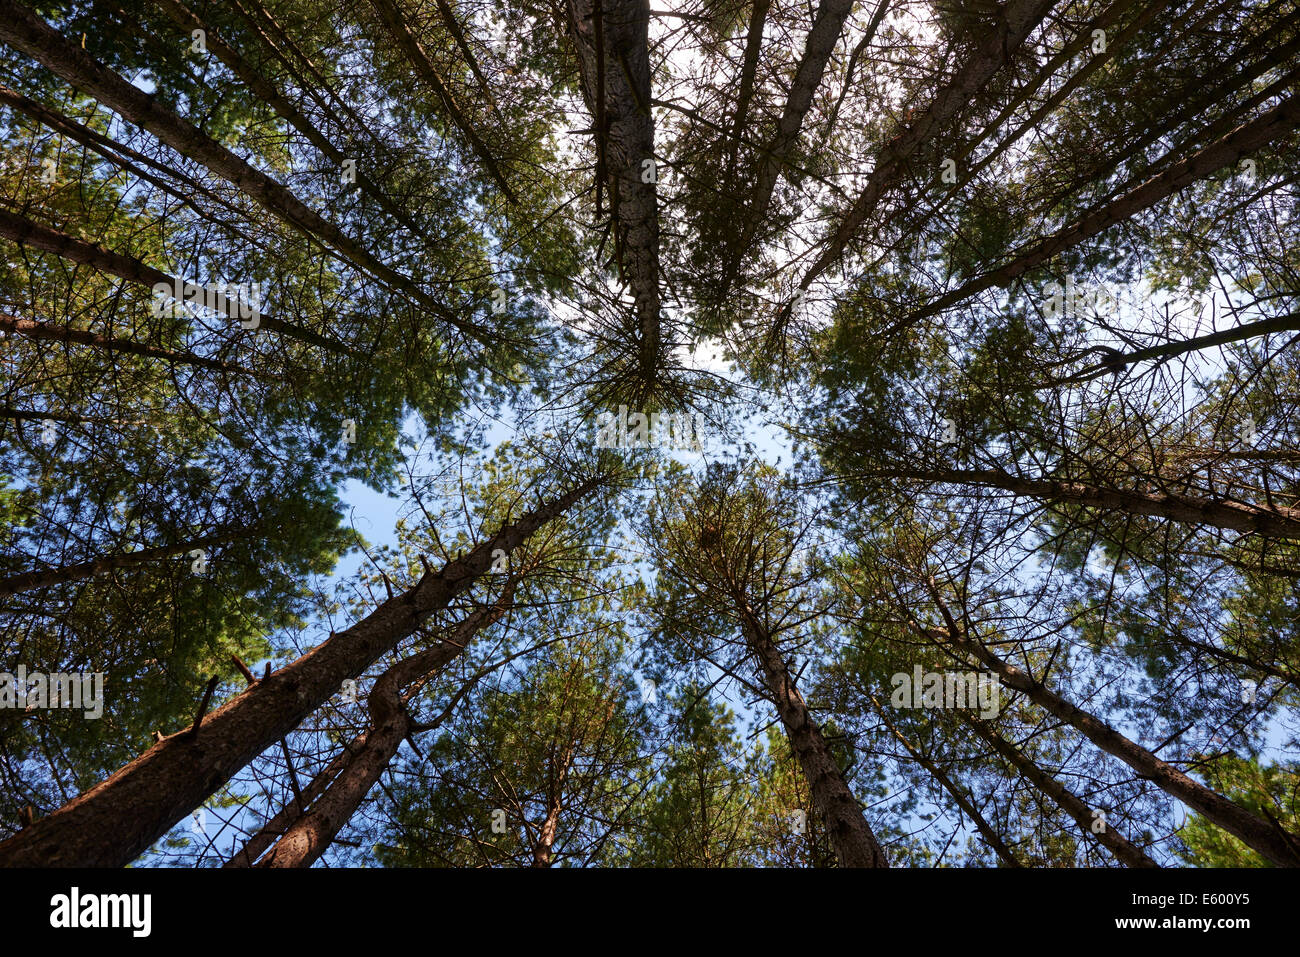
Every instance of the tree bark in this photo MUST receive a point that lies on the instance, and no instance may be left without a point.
(53, 332)
(616, 86)
(169, 180)
(25, 31)
(1018, 18)
(543, 850)
(395, 21)
(546, 836)
(1226, 151)
(115, 821)
(40, 415)
(1275, 844)
(1095, 63)
(748, 70)
(267, 91)
(310, 79)
(823, 36)
(274, 829)
(851, 837)
(390, 724)
(1277, 521)
(449, 20)
(1125, 852)
(28, 581)
(27, 233)
(1205, 99)
(991, 836)
(882, 8)
(1248, 330)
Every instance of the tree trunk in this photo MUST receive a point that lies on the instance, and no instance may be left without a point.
(27, 233)
(546, 836)
(615, 70)
(1207, 97)
(38, 415)
(1225, 152)
(1275, 844)
(311, 834)
(267, 91)
(1017, 19)
(312, 81)
(882, 8)
(274, 829)
(850, 834)
(52, 332)
(395, 21)
(1248, 330)
(1125, 852)
(994, 839)
(449, 20)
(171, 181)
(28, 581)
(22, 29)
(1095, 62)
(390, 724)
(115, 821)
(823, 36)
(1277, 521)
(748, 69)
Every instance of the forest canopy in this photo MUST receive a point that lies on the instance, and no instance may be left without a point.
(451, 433)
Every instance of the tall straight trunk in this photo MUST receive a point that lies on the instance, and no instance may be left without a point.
(827, 25)
(851, 837)
(1115, 44)
(1204, 100)
(1125, 851)
(544, 849)
(312, 833)
(748, 70)
(119, 154)
(1270, 840)
(27, 233)
(1027, 90)
(825, 33)
(1224, 152)
(1196, 104)
(877, 18)
(274, 829)
(989, 833)
(46, 578)
(302, 70)
(54, 332)
(449, 20)
(615, 71)
(390, 724)
(1016, 21)
(25, 31)
(395, 21)
(1270, 521)
(115, 821)
(270, 94)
